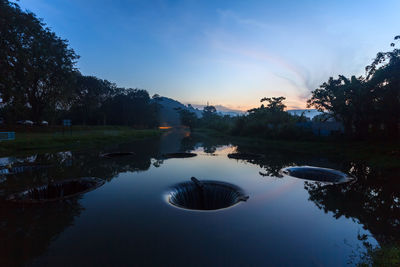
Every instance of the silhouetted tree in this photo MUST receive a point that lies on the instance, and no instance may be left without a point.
(188, 118)
(90, 94)
(365, 105)
(36, 66)
(275, 103)
(131, 107)
(383, 77)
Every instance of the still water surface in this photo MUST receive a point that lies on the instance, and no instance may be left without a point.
(128, 220)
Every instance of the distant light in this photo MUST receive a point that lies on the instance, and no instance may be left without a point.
(164, 127)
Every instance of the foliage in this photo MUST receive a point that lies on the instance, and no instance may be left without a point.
(212, 120)
(131, 107)
(366, 106)
(36, 65)
(39, 81)
(275, 103)
(269, 122)
(380, 256)
(90, 93)
(188, 118)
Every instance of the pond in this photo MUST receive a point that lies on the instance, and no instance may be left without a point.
(130, 219)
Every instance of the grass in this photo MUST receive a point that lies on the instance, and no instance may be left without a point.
(49, 139)
(381, 256)
(381, 154)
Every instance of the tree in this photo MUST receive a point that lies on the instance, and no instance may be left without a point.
(209, 110)
(131, 107)
(188, 118)
(36, 65)
(383, 77)
(90, 93)
(346, 100)
(275, 103)
(209, 115)
(363, 105)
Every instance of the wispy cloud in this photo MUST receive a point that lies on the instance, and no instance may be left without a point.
(231, 15)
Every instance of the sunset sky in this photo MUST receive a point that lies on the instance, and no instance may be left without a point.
(231, 53)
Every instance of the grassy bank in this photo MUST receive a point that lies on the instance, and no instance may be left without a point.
(51, 139)
(380, 154)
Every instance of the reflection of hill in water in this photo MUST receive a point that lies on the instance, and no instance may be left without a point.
(171, 141)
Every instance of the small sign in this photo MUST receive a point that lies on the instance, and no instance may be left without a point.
(67, 123)
(4, 136)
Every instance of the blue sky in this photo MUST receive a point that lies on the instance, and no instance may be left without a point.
(225, 52)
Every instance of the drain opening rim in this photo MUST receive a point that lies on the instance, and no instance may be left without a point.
(306, 173)
(238, 195)
(24, 198)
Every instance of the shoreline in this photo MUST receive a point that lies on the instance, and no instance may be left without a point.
(77, 138)
(384, 155)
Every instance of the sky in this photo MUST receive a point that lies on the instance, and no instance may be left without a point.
(230, 53)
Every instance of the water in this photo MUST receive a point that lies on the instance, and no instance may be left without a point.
(128, 221)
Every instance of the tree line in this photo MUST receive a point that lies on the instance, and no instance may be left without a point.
(368, 107)
(270, 120)
(39, 79)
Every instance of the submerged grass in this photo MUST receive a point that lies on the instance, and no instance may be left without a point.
(77, 137)
(381, 154)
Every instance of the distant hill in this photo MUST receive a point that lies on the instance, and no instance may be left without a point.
(223, 110)
(309, 113)
(169, 116)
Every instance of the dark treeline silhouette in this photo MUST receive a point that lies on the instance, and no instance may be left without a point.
(39, 79)
(270, 121)
(267, 121)
(367, 107)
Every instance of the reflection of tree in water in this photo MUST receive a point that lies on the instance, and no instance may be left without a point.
(26, 232)
(272, 161)
(209, 144)
(374, 201)
(67, 165)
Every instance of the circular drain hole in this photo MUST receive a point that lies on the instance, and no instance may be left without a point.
(205, 195)
(117, 154)
(318, 174)
(244, 156)
(57, 190)
(179, 155)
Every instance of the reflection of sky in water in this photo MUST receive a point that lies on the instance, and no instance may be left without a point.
(128, 220)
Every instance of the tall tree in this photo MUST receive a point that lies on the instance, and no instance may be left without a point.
(188, 118)
(384, 78)
(364, 104)
(275, 103)
(90, 93)
(132, 107)
(36, 66)
(333, 97)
